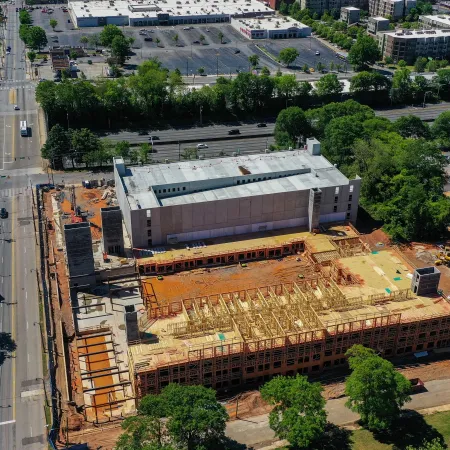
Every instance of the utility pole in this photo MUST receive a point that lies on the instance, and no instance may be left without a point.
(201, 119)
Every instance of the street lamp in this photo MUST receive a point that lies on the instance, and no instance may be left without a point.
(201, 119)
(425, 96)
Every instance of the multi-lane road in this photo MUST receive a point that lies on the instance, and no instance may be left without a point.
(22, 415)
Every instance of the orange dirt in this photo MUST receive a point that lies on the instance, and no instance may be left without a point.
(96, 362)
(226, 279)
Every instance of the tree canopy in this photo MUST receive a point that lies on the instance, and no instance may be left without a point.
(328, 85)
(288, 55)
(181, 417)
(364, 52)
(7, 346)
(375, 389)
(291, 126)
(299, 415)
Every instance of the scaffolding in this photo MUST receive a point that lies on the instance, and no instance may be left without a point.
(245, 337)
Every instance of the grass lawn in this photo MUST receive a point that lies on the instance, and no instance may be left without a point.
(413, 432)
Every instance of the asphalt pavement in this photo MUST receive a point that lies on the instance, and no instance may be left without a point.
(22, 415)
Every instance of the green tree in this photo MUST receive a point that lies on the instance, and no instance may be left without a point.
(388, 60)
(24, 17)
(84, 40)
(402, 64)
(36, 38)
(412, 127)
(298, 415)
(363, 53)
(95, 40)
(288, 55)
(7, 346)
(305, 68)
(120, 47)
(53, 23)
(31, 56)
(195, 419)
(108, 34)
(368, 81)
(265, 71)
(435, 444)
(56, 146)
(402, 90)
(202, 39)
(253, 60)
(220, 36)
(291, 127)
(420, 64)
(83, 142)
(144, 150)
(375, 389)
(328, 85)
(189, 153)
(201, 70)
(176, 38)
(122, 148)
(158, 41)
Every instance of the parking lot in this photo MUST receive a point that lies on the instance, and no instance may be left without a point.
(189, 48)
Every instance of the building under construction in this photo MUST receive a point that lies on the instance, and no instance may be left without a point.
(230, 340)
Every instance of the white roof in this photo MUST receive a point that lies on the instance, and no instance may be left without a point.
(416, 34)
(440, 18)
(175, 8)
(270, 23)
(379, 19)
(216, 179)
(350, 8)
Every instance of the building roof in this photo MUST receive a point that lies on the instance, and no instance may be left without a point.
(270, 23)
(417, 34)
(350, 8)
(216, 179)
(444, 19)
(150, 9)
(379, 19)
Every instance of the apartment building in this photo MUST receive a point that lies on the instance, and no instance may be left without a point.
(319, 6)
(393, 8)
(441, 22)
(409, 45)
(350, 14)
(376, 24)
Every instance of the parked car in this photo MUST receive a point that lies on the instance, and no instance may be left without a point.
(3, 213)
(237, 51)
(234, 131)
(16, 107)
(317, 53)
(148, 39)
(202, 146)
(196, 42)
(261, 125)
(417, 385)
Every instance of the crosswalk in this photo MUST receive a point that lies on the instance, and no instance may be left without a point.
(14, 192)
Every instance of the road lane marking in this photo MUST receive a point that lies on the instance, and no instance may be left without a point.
(12, 96)
(27, 325)
(26, 296)
(24, 249)
(7, 422)
(28, 357)
(13, 309)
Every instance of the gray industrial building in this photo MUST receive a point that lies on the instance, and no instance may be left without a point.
(203, 199)
(425, 281)
(80, 256)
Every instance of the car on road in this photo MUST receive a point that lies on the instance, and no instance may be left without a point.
(202, 146)
(234, 131)
(186, 28)
(143, 133)
(148, 39)
(154, 138)
(3, 213)
(143, 33)
(317, 53)
(261, 125)
(8, 53)
(237, 51)
(196, 42)
(16, 107)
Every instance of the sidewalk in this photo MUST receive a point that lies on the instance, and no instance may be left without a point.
(256, 430)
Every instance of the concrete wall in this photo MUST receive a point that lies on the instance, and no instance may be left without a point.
(80, 256)
(243, 215)
(112, 231)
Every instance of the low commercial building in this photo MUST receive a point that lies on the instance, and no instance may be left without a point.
(396, 9)
(275, 27)
(441, 22)
(377, 24)
(350, 14)
(195, 200)
(161, 12)
(409, 45)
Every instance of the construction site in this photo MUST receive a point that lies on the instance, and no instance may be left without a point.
(228, 313)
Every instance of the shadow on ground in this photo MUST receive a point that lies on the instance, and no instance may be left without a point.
(410, 429)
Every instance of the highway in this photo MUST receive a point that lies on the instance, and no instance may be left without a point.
(22, 415)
